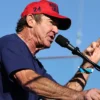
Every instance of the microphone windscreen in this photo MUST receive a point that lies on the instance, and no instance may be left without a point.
(62, 41)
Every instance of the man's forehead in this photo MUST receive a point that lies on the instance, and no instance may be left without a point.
(55, 20)
(49, 17)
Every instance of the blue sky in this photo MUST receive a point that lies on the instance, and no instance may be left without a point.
(85, 16)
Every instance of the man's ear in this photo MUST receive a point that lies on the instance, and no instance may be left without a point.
(30, 20)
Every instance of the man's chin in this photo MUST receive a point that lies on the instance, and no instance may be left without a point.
(47, 46)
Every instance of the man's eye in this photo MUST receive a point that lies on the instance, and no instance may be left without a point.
(53, 23)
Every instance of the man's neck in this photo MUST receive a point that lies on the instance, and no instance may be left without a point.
(29, 41)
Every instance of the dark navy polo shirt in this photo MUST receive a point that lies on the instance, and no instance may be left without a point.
(15, 56)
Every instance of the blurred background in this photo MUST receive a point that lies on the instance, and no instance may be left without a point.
(85, 28)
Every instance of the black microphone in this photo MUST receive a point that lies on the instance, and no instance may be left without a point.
(64, 42)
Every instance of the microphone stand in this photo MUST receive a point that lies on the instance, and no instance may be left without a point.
(64, 42)
(76, 51)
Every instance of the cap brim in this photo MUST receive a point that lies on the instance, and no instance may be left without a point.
(63, 22)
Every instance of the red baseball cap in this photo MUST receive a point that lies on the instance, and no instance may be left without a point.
(48, 8)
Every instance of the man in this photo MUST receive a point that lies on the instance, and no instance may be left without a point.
(22, 76)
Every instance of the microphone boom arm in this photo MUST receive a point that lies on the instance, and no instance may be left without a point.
(76, 51)
(64, 42)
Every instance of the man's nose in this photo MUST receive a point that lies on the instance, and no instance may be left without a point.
(55, 29)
